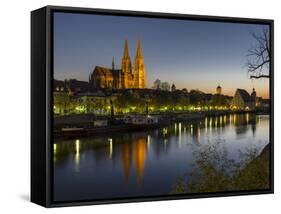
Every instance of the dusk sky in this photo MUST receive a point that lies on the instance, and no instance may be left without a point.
(190, 54)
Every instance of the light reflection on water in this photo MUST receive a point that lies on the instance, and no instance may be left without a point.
(147, 163)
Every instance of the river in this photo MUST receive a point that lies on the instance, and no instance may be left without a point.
(139, 164)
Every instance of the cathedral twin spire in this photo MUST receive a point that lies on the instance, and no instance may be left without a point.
(139, 51)
(126, 60)
(139, 70)
(126, 50)
(126, 77)
(138, 78)
(126, 65)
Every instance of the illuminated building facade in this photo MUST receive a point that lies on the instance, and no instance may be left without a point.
(243, 100)
(219, 89)
(126, 77)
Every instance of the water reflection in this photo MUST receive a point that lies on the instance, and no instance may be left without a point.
(139, 155)
(132, 162)
(134, 146)
(77, 153)
(110, 147)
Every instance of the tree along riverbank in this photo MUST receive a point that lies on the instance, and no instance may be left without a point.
(214, 172)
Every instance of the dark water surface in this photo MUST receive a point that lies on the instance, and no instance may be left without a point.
(148, 163)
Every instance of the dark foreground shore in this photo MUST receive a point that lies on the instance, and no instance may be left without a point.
(255, 175)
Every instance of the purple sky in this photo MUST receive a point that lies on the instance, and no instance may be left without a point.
(191, 54)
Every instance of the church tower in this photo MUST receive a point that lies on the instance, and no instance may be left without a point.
(113, 64)
(139, 70)
(219, 89)
(254, 94)
(126, 67)
(254, 98)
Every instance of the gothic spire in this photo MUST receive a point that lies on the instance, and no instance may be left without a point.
(126, 51)
(139, 51)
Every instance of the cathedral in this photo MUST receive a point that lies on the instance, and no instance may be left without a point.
(126, 77)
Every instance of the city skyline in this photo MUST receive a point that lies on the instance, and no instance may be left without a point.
(190, 54)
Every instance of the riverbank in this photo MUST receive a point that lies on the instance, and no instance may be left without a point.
(255, 175)
(83, 125)
(86, 132)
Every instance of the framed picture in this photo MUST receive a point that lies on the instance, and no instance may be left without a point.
(138, 106)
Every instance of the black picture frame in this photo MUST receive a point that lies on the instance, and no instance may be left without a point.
(41, 103)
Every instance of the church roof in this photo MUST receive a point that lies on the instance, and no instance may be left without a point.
(244, 95)
(106, 71)
(102, 70)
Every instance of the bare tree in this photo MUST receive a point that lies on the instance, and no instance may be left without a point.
(259, 56)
